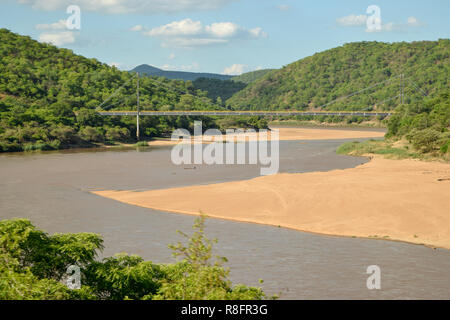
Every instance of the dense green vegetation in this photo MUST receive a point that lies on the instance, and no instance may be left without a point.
(317, 80)
(33, 265)
(251, 76)
(218, 90)
(418, 130)
(49, 98)
(424, 124)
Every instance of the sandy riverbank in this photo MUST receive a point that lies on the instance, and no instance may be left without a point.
(403, 200)
(302, 134)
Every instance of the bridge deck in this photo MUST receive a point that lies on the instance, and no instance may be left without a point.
(244, 113)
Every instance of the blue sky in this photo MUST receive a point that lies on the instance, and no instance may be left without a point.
(220, 36)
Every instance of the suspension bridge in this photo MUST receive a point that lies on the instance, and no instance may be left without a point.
(244, 113)
(138, 113)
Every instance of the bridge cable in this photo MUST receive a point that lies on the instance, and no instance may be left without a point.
(384, 101)
(109, 106)
(115, 92)
(417, 87)
(179, 90)
(358, 92)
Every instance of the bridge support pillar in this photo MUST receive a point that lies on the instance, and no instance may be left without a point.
(137, 114)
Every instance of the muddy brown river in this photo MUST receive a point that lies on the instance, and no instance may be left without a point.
(52, 190)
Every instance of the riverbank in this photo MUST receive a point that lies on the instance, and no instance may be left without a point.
(392, 149)
(365, 124)
(298, 264)
(403, 200)
(288, 134)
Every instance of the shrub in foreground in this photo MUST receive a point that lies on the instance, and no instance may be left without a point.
(33, 265)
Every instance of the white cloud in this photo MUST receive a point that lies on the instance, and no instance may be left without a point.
(191, 42)
(352, 20)
(60, 25)
(54, 33)
(190, 67)
(172, 56)
(283, 7)
(412, 22)
(235, 69)
(390, 26)
(189, 33)
(114, 64)
(129, 6)
(58, 38)
(222, 29)
(257, 32)
(177, 28)
(137, 28)
(166, 67)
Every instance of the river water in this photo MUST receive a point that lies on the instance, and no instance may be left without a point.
(52, 189)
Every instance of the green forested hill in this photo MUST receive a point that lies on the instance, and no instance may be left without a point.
(252, 76)
(224, 89)
(323, 77)
(417, 130)
(216, 88)
(48, 97)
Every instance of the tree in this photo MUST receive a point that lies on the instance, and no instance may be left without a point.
(198, 276)
(65, 134)
(117, 134)
(425, 124)
(124, 277)
(338, 72)
(88, 117)
(44, 90)
(426, 140)
(33, 265)
(91, 134)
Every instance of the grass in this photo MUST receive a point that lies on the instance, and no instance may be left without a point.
(381, 147)
(41, 146)
(390, 149)
(141, 144)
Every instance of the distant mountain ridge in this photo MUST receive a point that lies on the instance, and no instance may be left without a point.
(178, 75)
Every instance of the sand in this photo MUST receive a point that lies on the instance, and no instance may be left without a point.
(388, 199)
(405, 200)
(300, 134)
